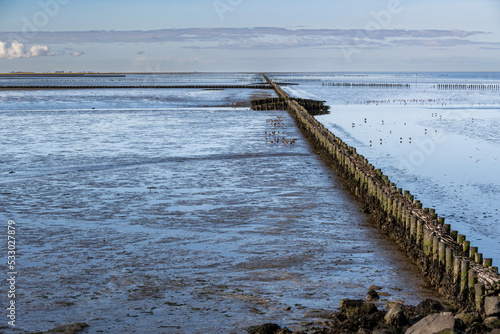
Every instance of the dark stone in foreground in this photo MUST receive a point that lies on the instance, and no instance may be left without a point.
(268, 329)
(361, 317)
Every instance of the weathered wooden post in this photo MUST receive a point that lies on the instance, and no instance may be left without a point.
(487, 262)
(472, 280)
(427, 241)
(435, 248)
(478, 258)
(433, 214)
(457, 263)
(464, 274)
(413, 227)
(466, 246)
(472, 252)
(442, 253)
(449, 260)
(446, 227)
(420, 231)
(479, 292)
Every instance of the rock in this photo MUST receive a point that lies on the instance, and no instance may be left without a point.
(352, 308)
(390, 304)
(284, 331)
(492, 306)
(468, 318)
(492, 322)
(477, 328)
(448, 331)
(372, 295)
(495, 331)
(433, 324)
(268, 329)
(264, 329)
(396, 317)
(368, 321)
(429, 306)
(375, 287)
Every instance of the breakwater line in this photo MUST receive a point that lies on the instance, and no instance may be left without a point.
(137, 87)
(467, 87)
(312, 106)
(366, 85)
(455, 267)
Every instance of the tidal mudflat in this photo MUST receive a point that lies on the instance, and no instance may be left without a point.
(172, 212)
(440, 144)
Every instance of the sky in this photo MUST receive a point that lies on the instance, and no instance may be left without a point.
(249, 35)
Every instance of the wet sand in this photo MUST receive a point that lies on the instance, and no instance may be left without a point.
(183, 220)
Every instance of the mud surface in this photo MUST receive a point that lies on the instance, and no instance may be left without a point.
(164, 219)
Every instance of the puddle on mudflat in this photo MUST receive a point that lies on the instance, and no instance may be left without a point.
(183, 221)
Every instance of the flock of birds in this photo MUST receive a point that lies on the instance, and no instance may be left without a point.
(401, 139)
(382, 141)
(441, 102)
(277, 137)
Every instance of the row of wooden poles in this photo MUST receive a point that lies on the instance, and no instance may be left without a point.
(269, 104)
(445, 253)
(468, 87)
(369, 85)
(313, 107)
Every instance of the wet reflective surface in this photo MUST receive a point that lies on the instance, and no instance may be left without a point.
(143, 216)
(441, 144)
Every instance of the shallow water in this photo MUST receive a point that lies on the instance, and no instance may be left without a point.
(442, 145)
(142, 216)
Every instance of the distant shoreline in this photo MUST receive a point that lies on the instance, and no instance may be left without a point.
(123, 74)
(104, 74)
(77, 75)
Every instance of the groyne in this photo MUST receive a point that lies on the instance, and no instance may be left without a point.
(454, 267)
(312, 106)
(467, 87)
(366, 85)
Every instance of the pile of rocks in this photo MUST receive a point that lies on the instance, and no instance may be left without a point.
(430, 316)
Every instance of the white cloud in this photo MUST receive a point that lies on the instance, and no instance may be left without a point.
(39, 51)
(14, 51)
(17, 50)
(77, 53)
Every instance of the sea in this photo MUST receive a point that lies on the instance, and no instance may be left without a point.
(184, 211)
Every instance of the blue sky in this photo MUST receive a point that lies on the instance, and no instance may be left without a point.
(249, 35)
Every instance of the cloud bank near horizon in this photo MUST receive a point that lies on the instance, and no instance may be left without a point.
(265, 37)
(17, 50)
